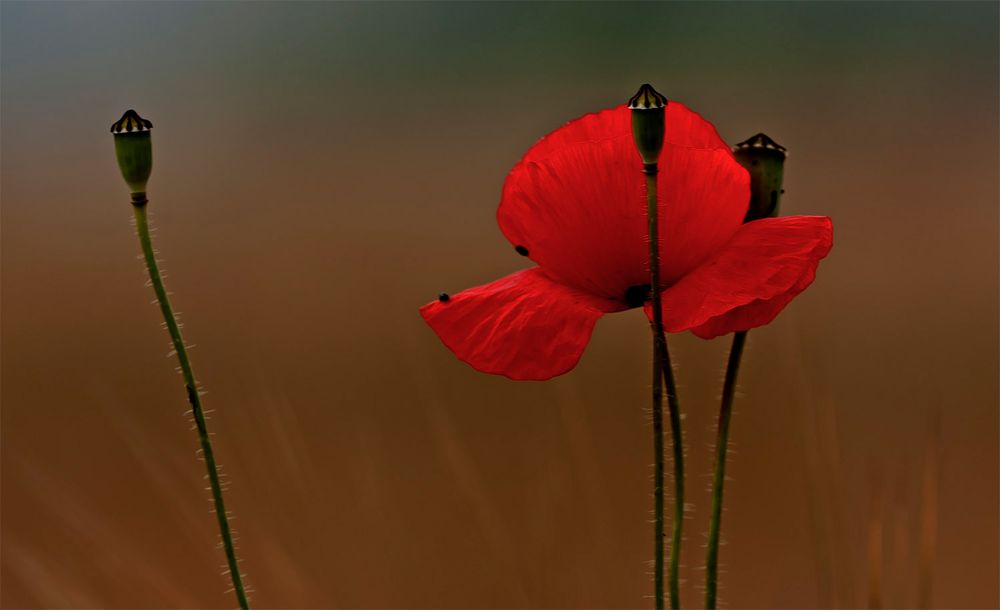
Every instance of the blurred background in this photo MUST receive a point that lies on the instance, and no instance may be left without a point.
(323, 169)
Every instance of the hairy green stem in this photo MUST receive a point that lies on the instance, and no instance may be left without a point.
(673, 405)
(657, 473)
(719, 474)
(663, 373)
(139, 202)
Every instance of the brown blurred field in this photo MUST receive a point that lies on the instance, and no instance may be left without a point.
(323, 169)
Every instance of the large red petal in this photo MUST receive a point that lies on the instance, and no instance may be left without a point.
(523, 326)
(748, 282)
(753, 314)
(577, 201)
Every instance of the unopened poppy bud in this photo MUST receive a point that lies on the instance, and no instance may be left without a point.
(648, 113)
(134, 149)
(765, 160)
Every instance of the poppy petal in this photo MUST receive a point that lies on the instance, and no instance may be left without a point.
(751, 315)
(576, 201)
(686, 129)
(749, 281)
(523, 326)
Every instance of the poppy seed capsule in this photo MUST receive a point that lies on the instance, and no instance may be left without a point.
(765, 160)
(133, 149)
(648, 108)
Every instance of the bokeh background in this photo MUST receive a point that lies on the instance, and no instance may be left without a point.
(323, 169)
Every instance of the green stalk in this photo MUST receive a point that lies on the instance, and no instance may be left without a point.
(139, 202)
(648, 108)
(673, 404)
(719, 474)
(663, 373)
(657, 472)
(764, 160)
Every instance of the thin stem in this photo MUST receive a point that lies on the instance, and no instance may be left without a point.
(719, 475)
(662, 372)
(678, 446)
(658, 472)
(142, 227)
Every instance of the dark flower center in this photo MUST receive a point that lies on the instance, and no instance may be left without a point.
(636, 295)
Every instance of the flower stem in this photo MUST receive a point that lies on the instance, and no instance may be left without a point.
(719, 475)
(663, 373)
(678, 447)
(139, 202)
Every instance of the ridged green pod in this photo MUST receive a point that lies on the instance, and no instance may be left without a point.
(134, 149)
(648, 115)
(765, 160)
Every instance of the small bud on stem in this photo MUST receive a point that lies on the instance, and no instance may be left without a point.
(765, 160)
(648, 128)
(134, 149)
(648, 114)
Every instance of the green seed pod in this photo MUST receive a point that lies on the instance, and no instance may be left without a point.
(648, 114)
(765, 160)
(134, 149)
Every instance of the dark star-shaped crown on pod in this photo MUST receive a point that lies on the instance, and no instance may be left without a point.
(131, 122)
(647, 98)
(761, 141)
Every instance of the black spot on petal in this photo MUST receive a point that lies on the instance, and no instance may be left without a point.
(444, 297)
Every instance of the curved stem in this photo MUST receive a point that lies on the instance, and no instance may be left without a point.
(673, 404)
(719, 475)
(657, 473)
(142, 228)
(662, 372)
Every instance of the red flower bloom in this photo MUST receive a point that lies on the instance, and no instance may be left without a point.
(575, 205)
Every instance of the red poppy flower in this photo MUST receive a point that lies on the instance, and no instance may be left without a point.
(575, 206)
